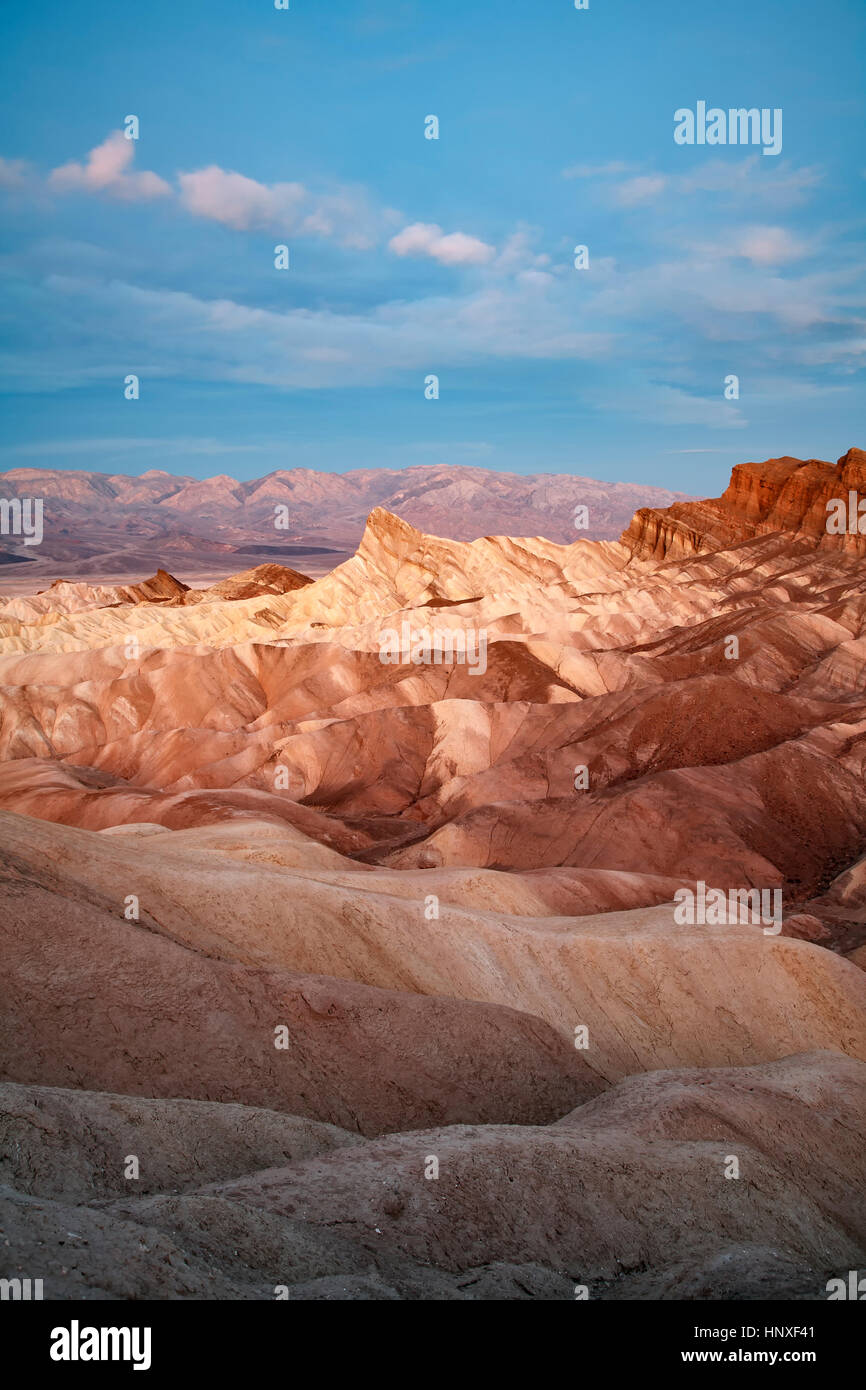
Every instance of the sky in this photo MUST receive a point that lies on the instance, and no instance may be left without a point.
(412, 257)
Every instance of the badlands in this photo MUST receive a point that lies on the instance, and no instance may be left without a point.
(332, 977)
(212, 526)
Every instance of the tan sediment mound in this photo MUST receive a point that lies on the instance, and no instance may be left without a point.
(642, 986)
(396, 567)
(92, 1000)
(747, 823)
(66, 597)
(72, 596)
(97, 801)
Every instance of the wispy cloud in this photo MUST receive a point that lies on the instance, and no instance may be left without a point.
(765, 247)
(720, 286)
(518, 253)
(167, 333)
(748, 179)
(770, 246)
(14, 173)
(740, 181)
(595, 171)
(642, 189)
(56, 448)
(662, 403)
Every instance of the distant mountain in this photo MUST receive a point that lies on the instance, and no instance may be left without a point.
(101, 523)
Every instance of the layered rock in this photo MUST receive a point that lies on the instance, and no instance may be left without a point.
(785, 494)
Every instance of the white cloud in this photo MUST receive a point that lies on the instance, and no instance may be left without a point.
(239, 202)
(345, 213)
(106, 172)
(428, 239)
(224, 196)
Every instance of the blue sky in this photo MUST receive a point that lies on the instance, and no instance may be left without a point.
(412, 257)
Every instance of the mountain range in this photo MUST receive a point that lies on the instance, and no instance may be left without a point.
(114, 525)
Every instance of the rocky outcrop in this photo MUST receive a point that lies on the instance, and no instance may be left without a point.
(785, 494)
(252, 583)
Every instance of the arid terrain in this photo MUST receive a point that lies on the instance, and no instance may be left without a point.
(346, 949)
(110, 527)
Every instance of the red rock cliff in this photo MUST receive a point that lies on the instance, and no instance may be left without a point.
(784, 494)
